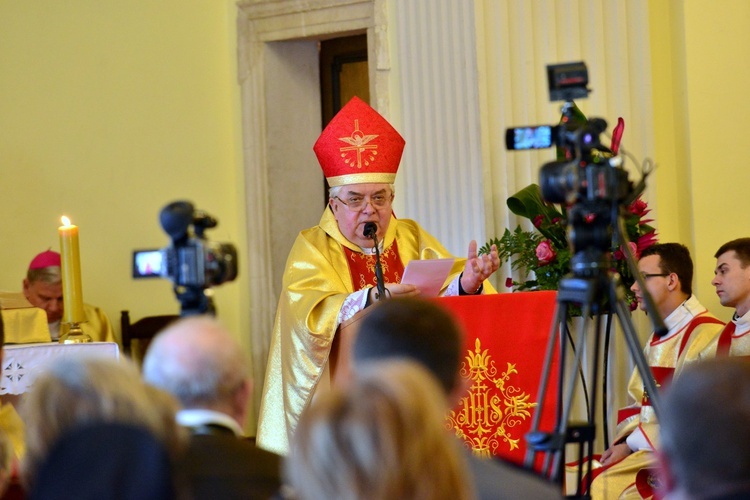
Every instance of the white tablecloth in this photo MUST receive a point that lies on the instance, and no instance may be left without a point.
(23, 362)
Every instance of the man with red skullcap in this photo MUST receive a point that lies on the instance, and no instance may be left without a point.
(330, 271)
(43, 288)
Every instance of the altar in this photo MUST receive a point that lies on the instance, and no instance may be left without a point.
(505, 340)
(506, 337)
(23, 323)
(22, 363)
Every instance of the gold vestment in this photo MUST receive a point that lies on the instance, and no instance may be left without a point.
(315, 284)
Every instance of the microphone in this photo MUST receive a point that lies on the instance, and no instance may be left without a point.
(371, 231)
(176, 218)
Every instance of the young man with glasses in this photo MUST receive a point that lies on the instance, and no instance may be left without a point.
(330, 272)
(667, 272)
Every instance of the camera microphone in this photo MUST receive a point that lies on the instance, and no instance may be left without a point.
(176, 218)
(371, 229)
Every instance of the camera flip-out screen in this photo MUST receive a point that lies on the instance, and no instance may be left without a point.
(543, 136)
(148, 263)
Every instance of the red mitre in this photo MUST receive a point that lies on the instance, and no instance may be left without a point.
(359, 146)
(45, 259)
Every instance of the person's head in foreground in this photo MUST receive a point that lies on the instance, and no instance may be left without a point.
(198, 361)
(705, 431)
(94, 393)
(382, 437)
(418, 330)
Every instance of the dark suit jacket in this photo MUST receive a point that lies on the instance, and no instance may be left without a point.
(220, 465)
(498, 480)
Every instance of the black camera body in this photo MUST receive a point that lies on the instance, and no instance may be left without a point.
(200, 263)
(191, 261)
(589, 172)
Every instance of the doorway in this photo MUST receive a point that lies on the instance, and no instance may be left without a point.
(343, 75)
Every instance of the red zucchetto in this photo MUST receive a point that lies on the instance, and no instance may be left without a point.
(359, 146)
(45, 259)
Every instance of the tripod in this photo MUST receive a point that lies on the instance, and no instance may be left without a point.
(195, 300)
(596, 289)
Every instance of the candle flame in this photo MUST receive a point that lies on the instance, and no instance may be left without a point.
(65, 221)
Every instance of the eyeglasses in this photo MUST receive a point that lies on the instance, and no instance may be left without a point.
(652, 275)
(357, 203)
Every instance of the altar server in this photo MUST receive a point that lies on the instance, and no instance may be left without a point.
(667, 272)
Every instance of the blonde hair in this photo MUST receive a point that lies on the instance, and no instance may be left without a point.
(75, 392)
(383, 437)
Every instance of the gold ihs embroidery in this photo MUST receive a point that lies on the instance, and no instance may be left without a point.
(491, 408)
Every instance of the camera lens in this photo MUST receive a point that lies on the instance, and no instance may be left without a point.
(558, 180)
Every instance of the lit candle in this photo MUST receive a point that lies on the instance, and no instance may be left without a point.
(71, 273)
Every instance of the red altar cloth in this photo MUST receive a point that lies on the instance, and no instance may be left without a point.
(506, 341)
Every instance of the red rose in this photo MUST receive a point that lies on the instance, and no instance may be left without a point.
(509, 282)
(545, 253)
(538, 220)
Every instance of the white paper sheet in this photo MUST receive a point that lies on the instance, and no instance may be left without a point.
(427, 275)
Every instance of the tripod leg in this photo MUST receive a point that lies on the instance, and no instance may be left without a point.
(634, 346)
(567, 403)
(534, 437)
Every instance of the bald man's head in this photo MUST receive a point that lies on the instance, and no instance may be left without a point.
(198, 361)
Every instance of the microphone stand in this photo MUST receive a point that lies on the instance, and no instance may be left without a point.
(371, 231)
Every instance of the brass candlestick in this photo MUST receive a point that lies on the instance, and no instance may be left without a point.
(75, 335)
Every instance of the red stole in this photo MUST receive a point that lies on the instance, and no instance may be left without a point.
(662, 378)
(725, 340)
(663, 374)
(362, 267)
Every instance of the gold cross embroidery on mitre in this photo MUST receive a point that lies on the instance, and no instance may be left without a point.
(359, 143)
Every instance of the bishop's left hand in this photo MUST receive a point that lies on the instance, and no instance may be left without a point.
(478, 268)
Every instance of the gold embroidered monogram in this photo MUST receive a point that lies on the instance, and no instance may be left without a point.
(359, 144)
(492, 407)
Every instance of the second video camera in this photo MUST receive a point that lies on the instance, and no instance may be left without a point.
(190, 260)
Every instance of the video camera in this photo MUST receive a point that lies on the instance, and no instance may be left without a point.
(191, 262)
(587, 177)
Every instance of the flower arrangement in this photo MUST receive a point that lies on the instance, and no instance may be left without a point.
(543, 254)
